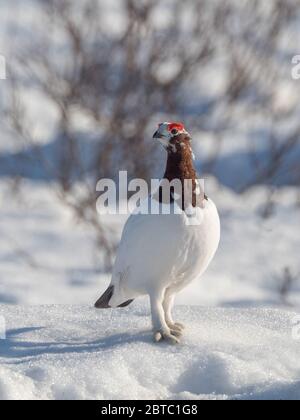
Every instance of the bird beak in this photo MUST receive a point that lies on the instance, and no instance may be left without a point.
(157, 135)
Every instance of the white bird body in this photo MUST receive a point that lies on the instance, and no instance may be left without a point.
(160, 254)
(159, 251)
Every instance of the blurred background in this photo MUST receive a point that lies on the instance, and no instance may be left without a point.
(88, 81)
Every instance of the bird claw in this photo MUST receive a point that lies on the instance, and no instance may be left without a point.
(176, 332)
(179, 325)
(176, 327)
(171, 337)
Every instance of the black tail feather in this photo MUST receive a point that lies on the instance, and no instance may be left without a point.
(103, 301)
(128, 302)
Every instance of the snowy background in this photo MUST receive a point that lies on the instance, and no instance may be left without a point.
(54, 262)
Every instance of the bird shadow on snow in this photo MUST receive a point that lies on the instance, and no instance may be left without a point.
(14, 348)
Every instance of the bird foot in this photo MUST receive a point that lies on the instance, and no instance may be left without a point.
(177, 326)
(171, 336)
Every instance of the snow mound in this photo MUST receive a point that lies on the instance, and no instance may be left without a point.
(77, 352)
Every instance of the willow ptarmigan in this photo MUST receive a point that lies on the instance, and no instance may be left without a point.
(160, 254)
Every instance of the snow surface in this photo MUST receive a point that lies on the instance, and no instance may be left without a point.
(77, 352)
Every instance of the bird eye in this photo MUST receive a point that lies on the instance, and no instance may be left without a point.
(174, 131)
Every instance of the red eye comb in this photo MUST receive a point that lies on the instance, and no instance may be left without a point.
(177, 125)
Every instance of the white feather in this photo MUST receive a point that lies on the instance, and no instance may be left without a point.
(159, 253)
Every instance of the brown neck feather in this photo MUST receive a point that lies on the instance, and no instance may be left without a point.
(180, 165)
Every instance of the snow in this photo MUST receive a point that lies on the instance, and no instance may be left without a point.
(77, 352)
